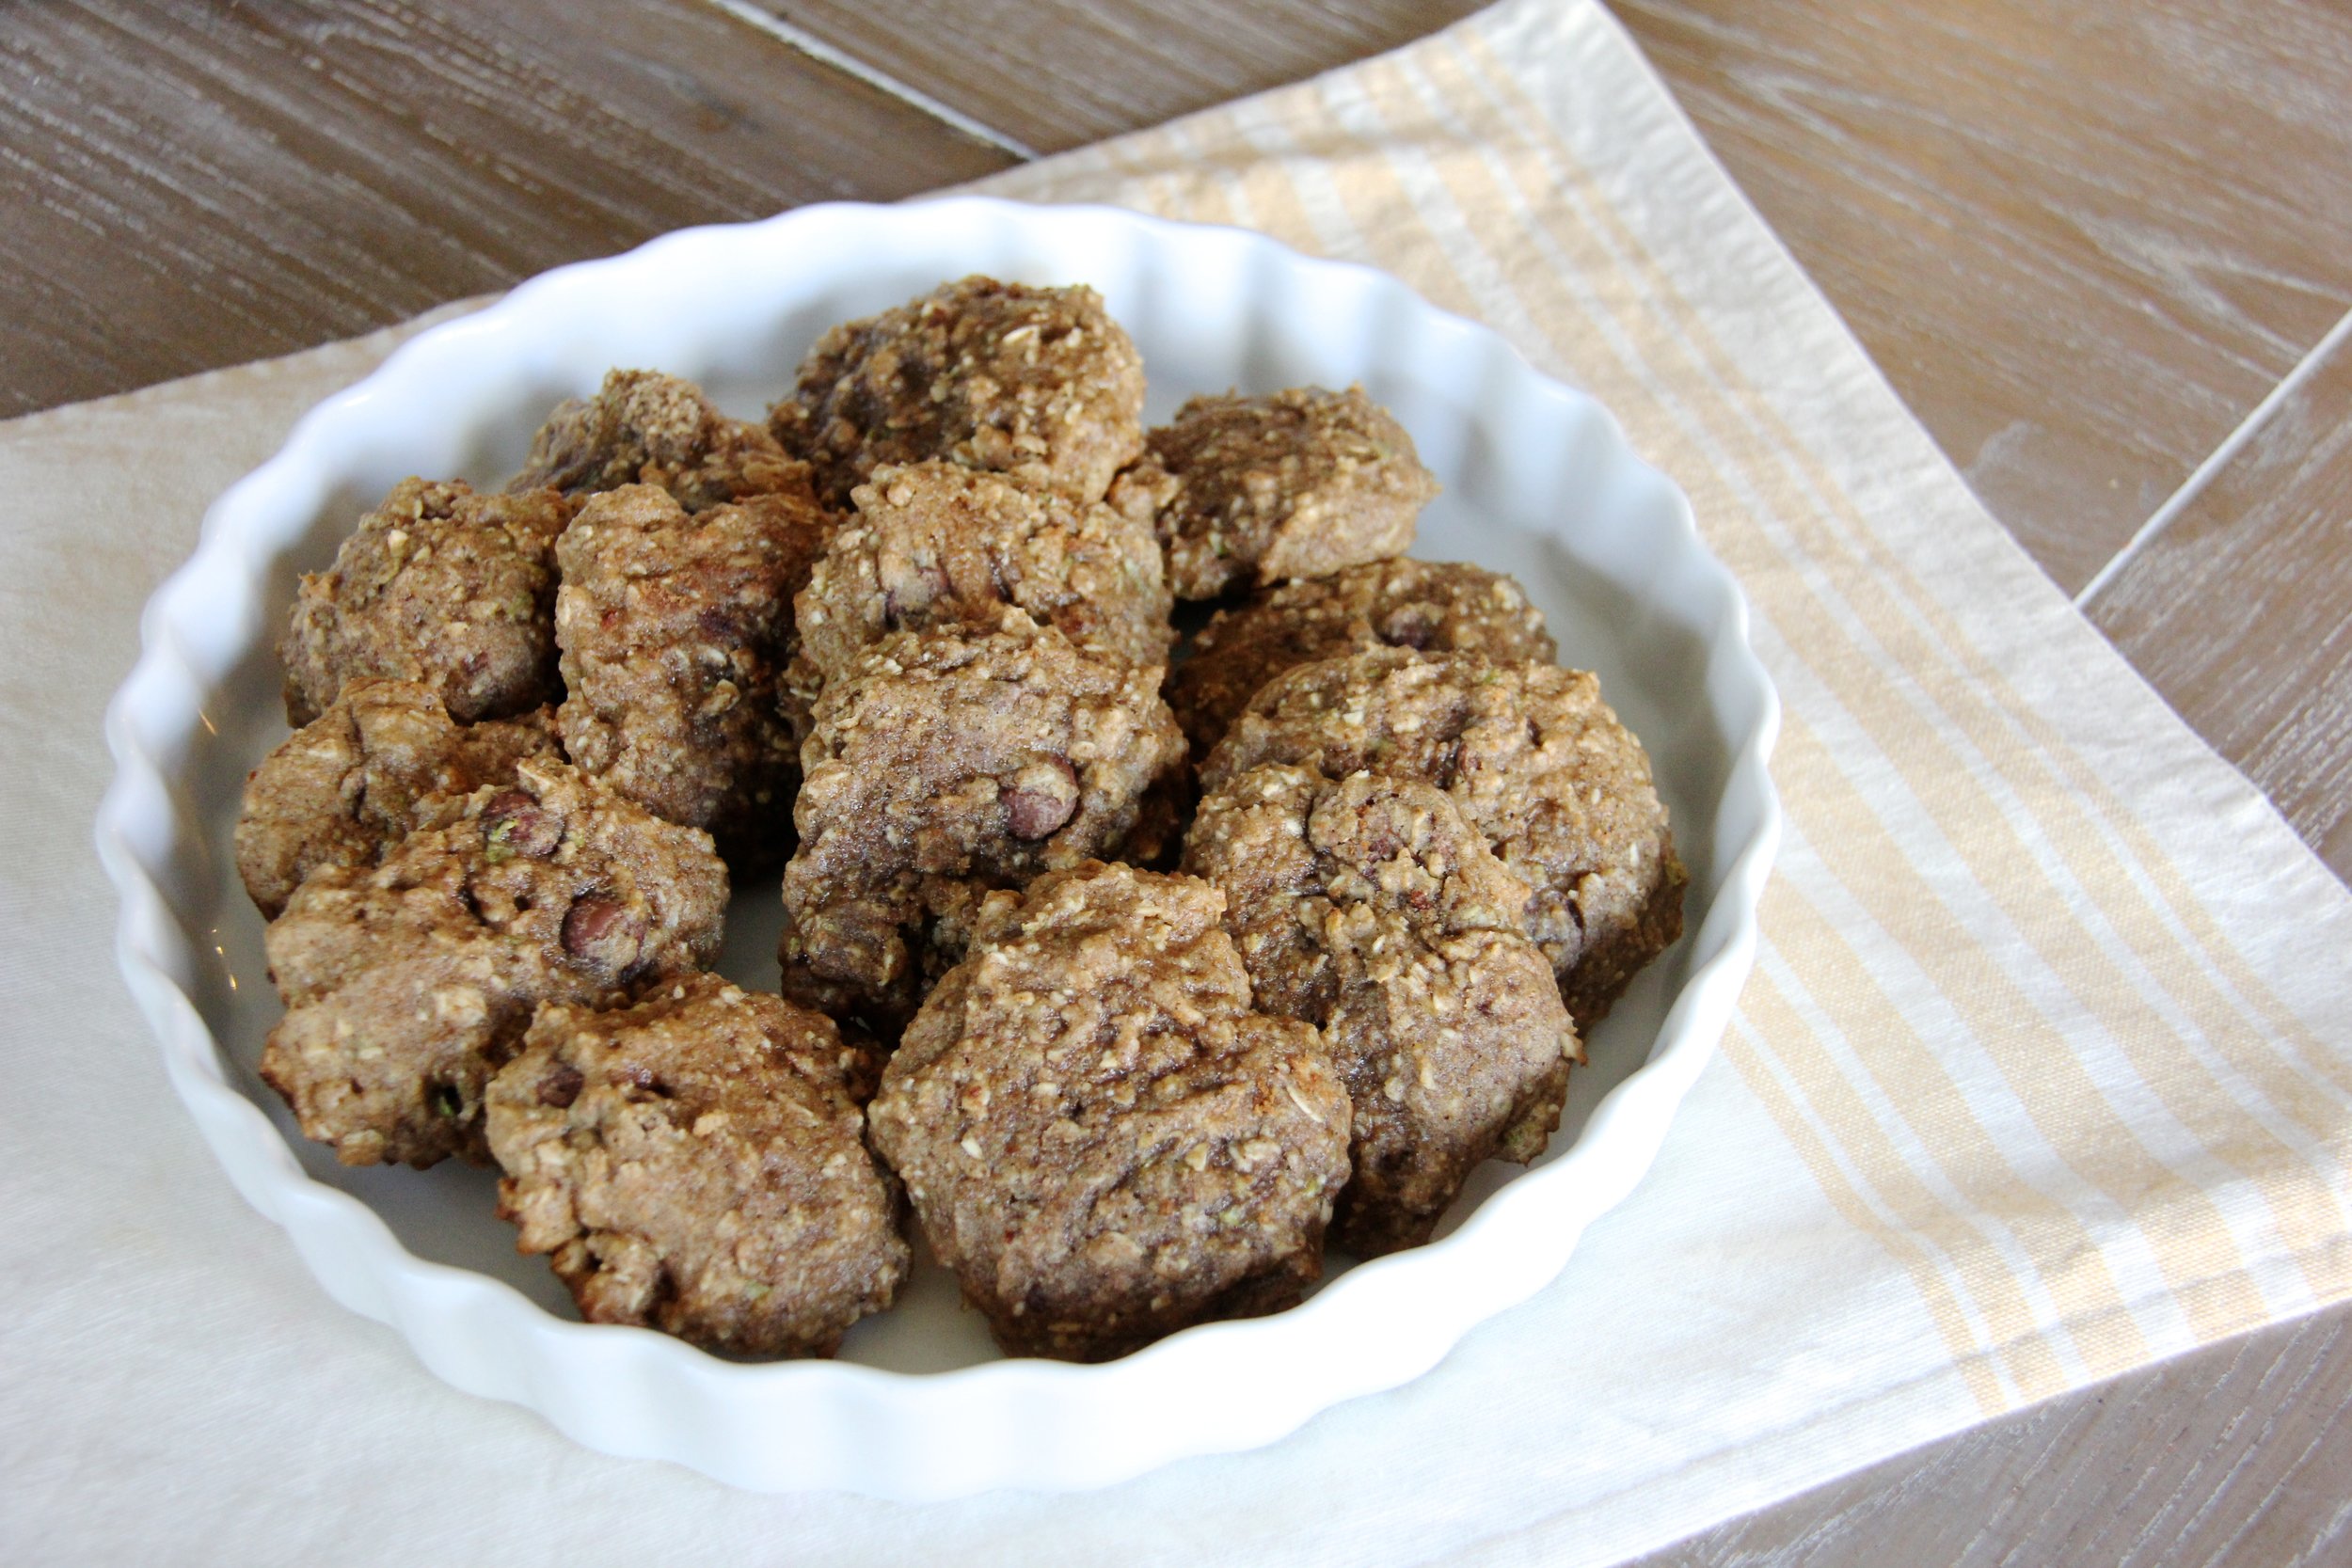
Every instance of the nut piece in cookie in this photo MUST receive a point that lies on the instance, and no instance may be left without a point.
(1436, 607)
(1037, 384)
(942, 765)
(695, 1164)
(380, 763)
(647, 428)
(1299, 484)
(1099, 1135)
(935, 545)
(437, 585)
(1370, 910)
(406, 986)
(673, 630)
(1534, 759)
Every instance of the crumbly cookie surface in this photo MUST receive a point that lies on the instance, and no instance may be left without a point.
(1299, 484)
(384, 760)
(437, 585)
(1433, 607)
(408, 984)
(1368, 908)
(947, 763)
(1038, 383)
(674, 628)
(1533, 759)
(693, 1164)
(644, 427)
(1099, 1136)
(935, 545)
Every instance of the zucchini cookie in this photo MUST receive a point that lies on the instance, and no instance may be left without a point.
(1368, 908)
(408, 984)
(1532, 758)
(693, 1164)
(1098, 1135)
(1037, 384)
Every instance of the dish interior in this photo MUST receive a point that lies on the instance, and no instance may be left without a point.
(1572, 537)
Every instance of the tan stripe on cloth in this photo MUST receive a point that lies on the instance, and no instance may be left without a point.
(2001, 1028)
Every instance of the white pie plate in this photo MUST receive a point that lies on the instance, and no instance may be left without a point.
(1539, 481)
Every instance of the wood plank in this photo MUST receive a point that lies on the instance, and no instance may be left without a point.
(1060, 74)
(2231, 1454)
(183, 187)
(2082, 240)
(2239, 608)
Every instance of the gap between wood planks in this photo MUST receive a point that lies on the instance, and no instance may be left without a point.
(842, 60)
(2219, 458)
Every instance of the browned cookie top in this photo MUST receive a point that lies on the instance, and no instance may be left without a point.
(1534, 759)
(644, 427)
(383, 761)
(935, 545)
(1437, 607)
(1038, 383)
(1299, 484)
(949, 762)
(1098, 1133)
(407, 985)
(437, 585)
(674, 629)
(695, 1164)
(1369, 908)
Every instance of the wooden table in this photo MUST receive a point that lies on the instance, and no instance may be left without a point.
(2103, 247)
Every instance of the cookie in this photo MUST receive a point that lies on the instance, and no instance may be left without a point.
(644, 427)
(674, 628)
(1037, 384)
(1433, 607)
(408, 984)
(384, 760)
(942, 765)
(935, 545)
(440, 586)
(1299, 484)
(693, 1164)
(1532, 758)
(1369, 908)
(1098, 1133)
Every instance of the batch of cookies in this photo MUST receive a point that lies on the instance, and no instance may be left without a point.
(1133, 975)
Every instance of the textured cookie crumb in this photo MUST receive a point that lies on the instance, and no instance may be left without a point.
(1098, 1135)
(695, 1163)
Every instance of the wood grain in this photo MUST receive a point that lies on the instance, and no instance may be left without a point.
(2239, 608)
(2083, 241)
(188, 186)
(1060, 74)
(2231, 1454)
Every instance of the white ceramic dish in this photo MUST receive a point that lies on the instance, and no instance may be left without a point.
(1539, 481)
